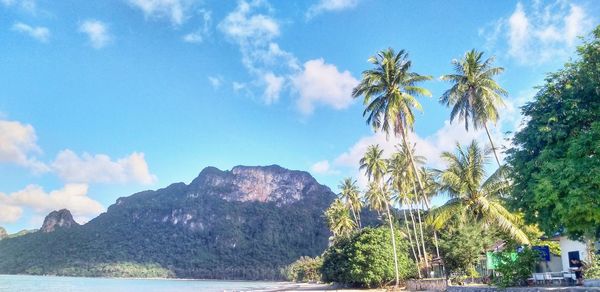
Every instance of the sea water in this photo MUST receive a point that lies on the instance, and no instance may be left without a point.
(15, 283)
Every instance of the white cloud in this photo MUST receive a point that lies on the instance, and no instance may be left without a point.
(174, 10)
(330, 5)
(27, 5)
(431, 147)
(101, 168)
(198, 36)
(321, 83)
(71, 196)
(253, 29)
(274, 84)
(215, 81)
(323, 167)
(39, 33)
(539, 33)
(97, 32)
(18, 143)
(9, 214)
(243, 26)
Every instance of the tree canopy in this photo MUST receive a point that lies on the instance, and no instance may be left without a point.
(555, 158)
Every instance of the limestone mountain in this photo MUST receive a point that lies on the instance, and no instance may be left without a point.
(3, 233)
(58, 219)
(246, 223)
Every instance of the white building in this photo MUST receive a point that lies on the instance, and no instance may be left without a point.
(571, 249)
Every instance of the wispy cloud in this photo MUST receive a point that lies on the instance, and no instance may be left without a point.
(330, 5)
(26, 5)
(203, 31)
(97, 33)
(215, 81)
(174, 10)
(538, 33)
(39, 33)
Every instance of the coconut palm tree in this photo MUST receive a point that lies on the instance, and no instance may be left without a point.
(373, 163)
(402, 178)
(471, 195)
(474, 96)
(390, 90)
(338, 218)
(397, 170)
(351, 195)
(390, 93)
(375, 168)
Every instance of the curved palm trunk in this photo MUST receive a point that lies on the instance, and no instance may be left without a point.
(422, 236)
(414, 229)
(422, 251)
(411, 242)
(491, 143)
(356, 220)
(412, 163)
(387, 206)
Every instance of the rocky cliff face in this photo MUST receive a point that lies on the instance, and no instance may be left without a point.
(3, 233)
(58, 219)
(259, 183)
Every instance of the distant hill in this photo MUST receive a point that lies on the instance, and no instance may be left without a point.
(246, 223)
(4, 234)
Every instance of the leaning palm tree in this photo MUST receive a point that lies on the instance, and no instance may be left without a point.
(375, 167)
(338, 219)
(474, 96)
(471, 196)
(351, 195)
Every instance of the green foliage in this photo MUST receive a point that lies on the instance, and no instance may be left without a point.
(338, 218)
(556, 156)
(472, 196)
(592, 268)
(461, 246)
(186, 230)
(305, 269)
(364, 259)
(514, 271)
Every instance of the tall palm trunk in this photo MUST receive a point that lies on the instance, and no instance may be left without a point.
(422, 251)
(411, 242)
(412, 163)
(421, 229)
(387, 206)
(491, 143)
(356, 220)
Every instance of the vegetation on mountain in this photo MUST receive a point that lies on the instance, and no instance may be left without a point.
(207, 229)
(555, 161)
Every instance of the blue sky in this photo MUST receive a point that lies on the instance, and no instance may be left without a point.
(101, 99)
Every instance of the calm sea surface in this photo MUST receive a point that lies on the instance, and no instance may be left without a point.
(15, 283)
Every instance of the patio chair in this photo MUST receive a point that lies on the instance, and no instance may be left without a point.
(539, 278)
(554, 277)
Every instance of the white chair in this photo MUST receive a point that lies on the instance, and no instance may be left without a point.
(555, 277)
(539, 278)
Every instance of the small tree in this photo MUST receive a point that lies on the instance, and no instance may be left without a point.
(362, 259)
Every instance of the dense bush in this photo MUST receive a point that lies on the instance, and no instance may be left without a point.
(305, 269)
(515, 270)
(365, 259)
(461, 247)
